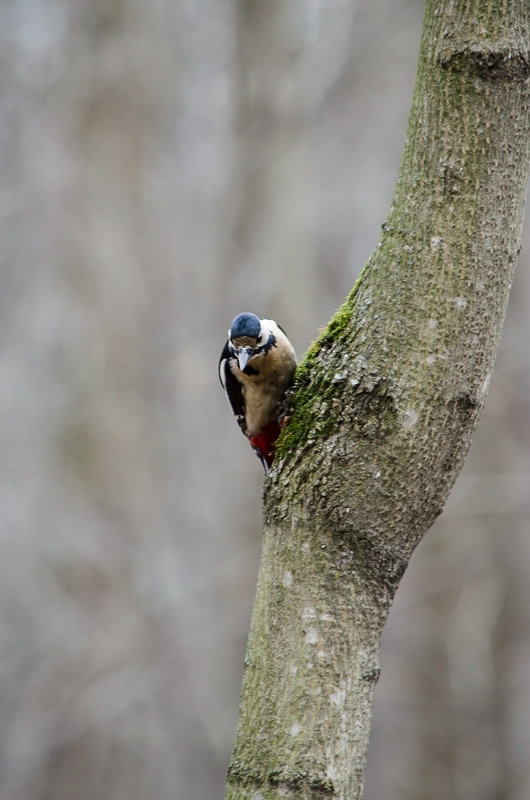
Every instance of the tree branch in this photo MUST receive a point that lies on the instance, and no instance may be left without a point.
(386, 405)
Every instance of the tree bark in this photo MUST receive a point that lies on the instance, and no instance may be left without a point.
(385, 407)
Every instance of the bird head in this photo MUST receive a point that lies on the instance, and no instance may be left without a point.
(246, 337)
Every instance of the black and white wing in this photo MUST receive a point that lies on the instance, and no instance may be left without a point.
(232, 387)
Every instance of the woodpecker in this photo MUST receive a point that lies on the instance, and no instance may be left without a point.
(256, 368)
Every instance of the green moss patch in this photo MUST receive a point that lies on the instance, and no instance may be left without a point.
(313, 384)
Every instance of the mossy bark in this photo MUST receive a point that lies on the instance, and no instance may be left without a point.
(386, 404)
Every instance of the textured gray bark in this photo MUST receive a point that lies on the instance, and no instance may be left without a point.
(386, 405)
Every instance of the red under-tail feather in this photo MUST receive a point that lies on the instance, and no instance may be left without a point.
(265, 441)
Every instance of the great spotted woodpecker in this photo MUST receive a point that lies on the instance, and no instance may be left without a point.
(256, 368)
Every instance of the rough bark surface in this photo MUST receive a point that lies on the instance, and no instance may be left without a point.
(385, 408)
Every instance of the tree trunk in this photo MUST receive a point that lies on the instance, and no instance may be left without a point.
(386, 404)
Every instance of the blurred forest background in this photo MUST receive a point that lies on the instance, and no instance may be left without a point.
(166, 165)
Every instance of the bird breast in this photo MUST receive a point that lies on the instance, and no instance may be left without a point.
(265, 389)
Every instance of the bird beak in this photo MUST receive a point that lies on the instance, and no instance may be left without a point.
(243, 358)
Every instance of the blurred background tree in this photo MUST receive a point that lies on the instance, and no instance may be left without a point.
(165, 166)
